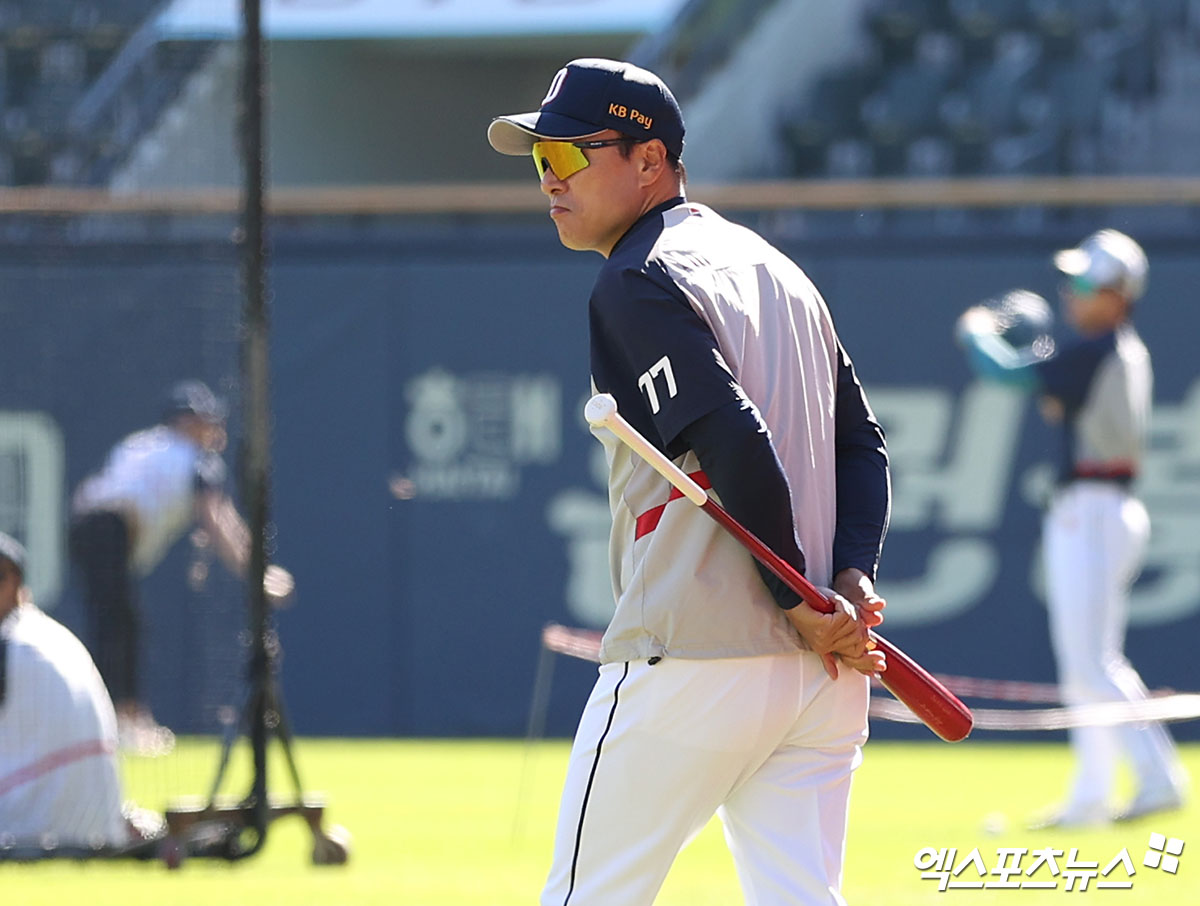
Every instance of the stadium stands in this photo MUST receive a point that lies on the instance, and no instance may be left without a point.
(931, 88)
(831, 113)
(982, 87)
(79, 82)
(699, 40)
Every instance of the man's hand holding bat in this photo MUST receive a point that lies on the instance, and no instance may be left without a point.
(844, 632)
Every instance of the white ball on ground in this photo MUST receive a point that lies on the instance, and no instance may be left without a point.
(332, 847)
(994, 824)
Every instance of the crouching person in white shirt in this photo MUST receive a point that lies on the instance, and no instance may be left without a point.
(60, 785)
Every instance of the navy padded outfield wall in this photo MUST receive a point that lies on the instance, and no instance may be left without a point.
(439, 499)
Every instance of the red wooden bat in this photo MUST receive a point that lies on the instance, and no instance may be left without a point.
(936, 706)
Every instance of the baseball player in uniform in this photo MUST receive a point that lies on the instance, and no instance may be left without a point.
(716, 692)
(154, 485)
(1095, 530)
(59, 780)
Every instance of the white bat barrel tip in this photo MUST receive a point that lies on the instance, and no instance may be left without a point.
(599, 409)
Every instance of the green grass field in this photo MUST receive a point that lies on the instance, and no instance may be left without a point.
(469, 823)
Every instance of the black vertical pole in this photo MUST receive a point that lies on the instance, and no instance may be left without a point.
(255, 396)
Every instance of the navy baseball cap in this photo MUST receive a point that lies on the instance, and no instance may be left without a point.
(194, 398)
(12, 551)
(588, 96)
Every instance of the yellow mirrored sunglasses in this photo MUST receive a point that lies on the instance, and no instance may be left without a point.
(565, 159)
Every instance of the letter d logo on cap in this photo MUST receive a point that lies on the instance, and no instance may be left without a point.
(555, 86)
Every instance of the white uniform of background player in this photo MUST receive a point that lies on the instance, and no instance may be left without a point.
(154, 485)
(59, 779)
(1098, 387)
(718, 349)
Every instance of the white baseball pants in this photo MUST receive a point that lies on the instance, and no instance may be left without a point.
(1094, 539)
(768, 743)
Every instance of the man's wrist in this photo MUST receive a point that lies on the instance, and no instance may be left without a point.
(851, 578)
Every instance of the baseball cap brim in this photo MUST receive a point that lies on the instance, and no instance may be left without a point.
(1074, 262)
(514, 135)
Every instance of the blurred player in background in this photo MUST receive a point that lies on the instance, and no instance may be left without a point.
(154, 486)
(59, 780)
(713, 693)
(1095, 531)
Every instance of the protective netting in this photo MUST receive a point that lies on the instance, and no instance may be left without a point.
(1165, 705)
(102, 317)
(108, 306)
